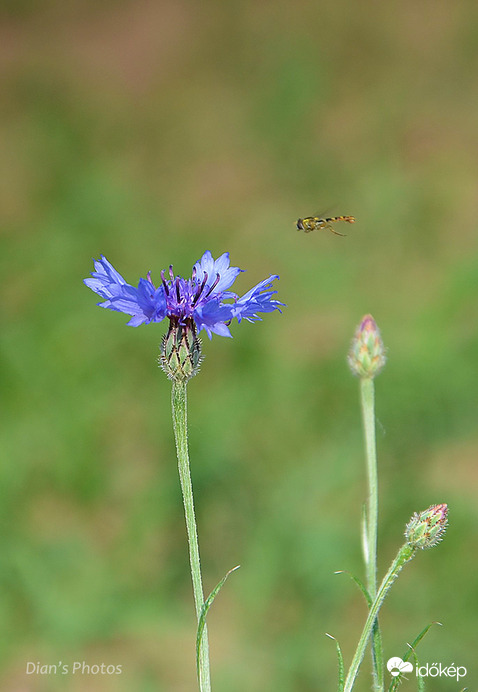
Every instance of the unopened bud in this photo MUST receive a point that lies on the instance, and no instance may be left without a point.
(426, 529)
(180, 351)
(367, 353)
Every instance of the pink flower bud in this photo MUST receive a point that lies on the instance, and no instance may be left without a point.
(367, 353)
(426, 529)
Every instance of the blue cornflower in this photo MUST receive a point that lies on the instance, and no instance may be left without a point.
(201, 302)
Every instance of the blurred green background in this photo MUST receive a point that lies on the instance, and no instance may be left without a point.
(151, 131)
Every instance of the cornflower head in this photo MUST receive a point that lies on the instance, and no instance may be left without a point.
(191, 305)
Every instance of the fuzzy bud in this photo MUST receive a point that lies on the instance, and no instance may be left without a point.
(367, 353)
(180, 351)
(426, 529)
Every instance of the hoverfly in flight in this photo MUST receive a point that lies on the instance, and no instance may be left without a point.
(316, 223)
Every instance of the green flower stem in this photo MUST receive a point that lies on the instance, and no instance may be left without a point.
(179, 409)
(404, 555)
(367, 396)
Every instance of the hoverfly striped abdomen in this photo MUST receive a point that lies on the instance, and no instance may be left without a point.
(316, 223)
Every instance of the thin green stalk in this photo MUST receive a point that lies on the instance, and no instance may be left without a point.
(367, 397)
(368, 414)
(405, 554)
(179, 410)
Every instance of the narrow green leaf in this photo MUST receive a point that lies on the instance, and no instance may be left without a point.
(377, 653)
(418, 639)
(204, 611)
(340, 658)
(360, 584)
(411, 652)
(420, 680)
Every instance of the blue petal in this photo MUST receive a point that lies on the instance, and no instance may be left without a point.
(256, 300)
(151, 300)
(214, 267)
(212, 317)
(104, 278)
(145, 303)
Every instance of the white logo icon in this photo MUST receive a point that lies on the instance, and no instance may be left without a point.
(396, 666)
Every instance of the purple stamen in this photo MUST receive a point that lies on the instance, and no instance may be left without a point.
(200, 289)
(218, 278)
(164, 282)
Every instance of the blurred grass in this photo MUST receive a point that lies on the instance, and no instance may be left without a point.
(153, 131)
